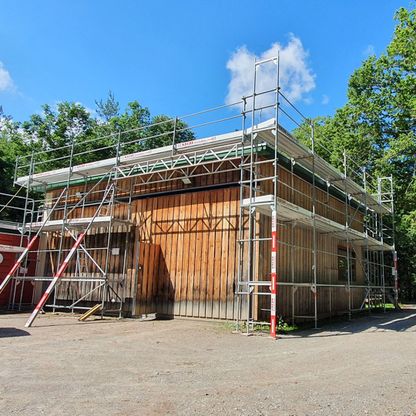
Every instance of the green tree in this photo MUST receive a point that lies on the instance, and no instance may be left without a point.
(162, 130)
(137, 130)
(108, 108)
(128, 127)
(54, 131)
(377, 128)
(13, 143)
(53, 135)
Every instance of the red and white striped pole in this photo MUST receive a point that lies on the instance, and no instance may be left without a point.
(17, 264)
(273, 277)
(56, 277)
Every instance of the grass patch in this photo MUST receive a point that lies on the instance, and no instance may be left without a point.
(282, 327)
(388, 306)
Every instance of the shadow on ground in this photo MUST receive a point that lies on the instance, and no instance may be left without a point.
(12, 332)
(398, 321)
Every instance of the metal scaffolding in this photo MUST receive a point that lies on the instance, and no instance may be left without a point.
(24, 206)
(375, 239)
(62, 219)
(256, 150)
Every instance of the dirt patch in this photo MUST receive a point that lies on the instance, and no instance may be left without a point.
(187, 367)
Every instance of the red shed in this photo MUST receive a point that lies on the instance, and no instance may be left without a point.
(9, 249)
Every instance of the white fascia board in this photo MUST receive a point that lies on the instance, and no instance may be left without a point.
(103, 166)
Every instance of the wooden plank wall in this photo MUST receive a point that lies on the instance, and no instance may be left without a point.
(196, 269)
(96, 243)
(299, 192)
(295, 258)
(295, 261)
(182, 256)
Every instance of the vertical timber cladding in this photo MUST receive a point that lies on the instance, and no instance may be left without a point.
(182, 258)
(193, 267)
(95, 243)
(295, 257)
(192, 272)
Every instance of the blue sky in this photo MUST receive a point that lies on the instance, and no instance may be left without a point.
(172, 55)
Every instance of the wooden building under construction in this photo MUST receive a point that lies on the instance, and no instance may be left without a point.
(217, 227)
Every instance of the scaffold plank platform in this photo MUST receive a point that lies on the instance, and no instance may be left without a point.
(77, 223)
(287, 211)
(4, 248)
(9, 225)
(62, 279)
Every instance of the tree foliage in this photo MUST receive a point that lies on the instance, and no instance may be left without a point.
(377, 128)
(52, 135)
(108, 108)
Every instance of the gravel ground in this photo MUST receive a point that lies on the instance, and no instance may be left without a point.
(187, 367)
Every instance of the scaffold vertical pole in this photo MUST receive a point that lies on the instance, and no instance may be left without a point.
(347, 226)
(273, 277)
(383, 277)
(274, 237)
(396, 279)
(241, 232)
(367, 269)
(22, 240)
(314, 242)
(112, 178)
(395, 260)
(65, 209)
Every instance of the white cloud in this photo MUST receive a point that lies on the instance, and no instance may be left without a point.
(6, 81)
(89, 110)
(325, 99)
(296, 77)
(369, 51)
